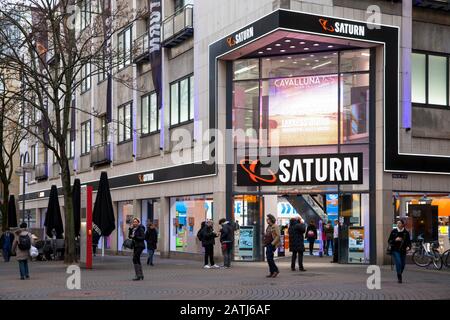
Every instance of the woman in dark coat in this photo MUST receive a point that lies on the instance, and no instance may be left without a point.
(137, 233)
(151, 237)
(207, 236)
(311, 234)
(296, 242)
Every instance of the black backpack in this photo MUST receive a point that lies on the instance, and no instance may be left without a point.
(200, 235)
(24, 242)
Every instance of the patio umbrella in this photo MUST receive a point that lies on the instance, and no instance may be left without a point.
(76, 200)
(53, 217)
(12, 215)
(103, 215)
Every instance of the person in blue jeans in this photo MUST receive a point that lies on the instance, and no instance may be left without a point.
(271, 242)
(151, 237)
(22, 253)
(6, 242)
(400, 242)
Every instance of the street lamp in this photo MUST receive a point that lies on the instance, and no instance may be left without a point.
(22, 171)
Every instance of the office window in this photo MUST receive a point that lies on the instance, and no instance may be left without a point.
(125, 123)
(86, 137)
(103, 130)
(102, 72)
(86, 77)
(430, 79)
(124, 47)
(70, 146)
(85, 13)
(182, 101)
(33, 154)
(149, 114)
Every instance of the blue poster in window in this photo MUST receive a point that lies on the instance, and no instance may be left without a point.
(246, 241)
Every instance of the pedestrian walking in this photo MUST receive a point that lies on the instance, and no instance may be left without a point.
(297, 242)
(271, 242)
(151, 237)
(335, 241)
(226, 240)
(311, 234)
(328, 231)
(400, 242)
(136, 232)
(207, 237)
(6, 243)
(21, 246)
(95, 240)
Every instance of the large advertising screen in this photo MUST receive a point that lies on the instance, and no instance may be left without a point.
(303, 111)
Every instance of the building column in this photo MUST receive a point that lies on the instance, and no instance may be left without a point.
(164, 227)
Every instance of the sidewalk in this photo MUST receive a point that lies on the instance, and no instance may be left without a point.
(183, 279)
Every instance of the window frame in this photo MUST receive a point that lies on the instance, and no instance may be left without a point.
(70, 146)
(426, 104)
(85, 143)
(122, 55)
(85, 12)
(86, 81)
(177, 82)
(122, 125)
(158, 111)
(103, 130)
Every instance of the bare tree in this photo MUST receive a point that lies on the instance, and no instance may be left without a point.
(55, 42)
(11, 135)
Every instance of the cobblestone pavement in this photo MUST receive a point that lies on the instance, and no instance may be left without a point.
(172, 279)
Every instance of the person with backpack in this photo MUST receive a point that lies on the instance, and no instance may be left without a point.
(207, 236)
(6, 242)
(226, 239)
(21, 246)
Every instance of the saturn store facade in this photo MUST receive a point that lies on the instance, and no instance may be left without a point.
(323, 125)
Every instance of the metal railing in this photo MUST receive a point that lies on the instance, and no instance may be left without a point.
(140, 47)
(100, 154)
(41, 171)
(181, 23)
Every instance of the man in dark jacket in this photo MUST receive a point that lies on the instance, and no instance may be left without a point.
(151, 237)
(226, 239)
(207, 236)
(6, 242)
(296, 242)
(137, 234)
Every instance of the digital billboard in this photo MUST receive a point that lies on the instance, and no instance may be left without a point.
(303, 111)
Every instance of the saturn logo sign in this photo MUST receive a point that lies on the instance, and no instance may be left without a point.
(240, 37)
(325, 26)
(251, 171)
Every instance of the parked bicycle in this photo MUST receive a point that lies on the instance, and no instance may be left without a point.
(446, 258)
(426, 254)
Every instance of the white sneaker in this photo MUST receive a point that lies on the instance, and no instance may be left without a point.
(206, 267)
(215, 266)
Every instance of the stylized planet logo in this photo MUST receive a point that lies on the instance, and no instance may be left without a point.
(251, 171)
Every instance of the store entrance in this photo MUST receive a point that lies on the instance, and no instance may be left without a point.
(350, 212)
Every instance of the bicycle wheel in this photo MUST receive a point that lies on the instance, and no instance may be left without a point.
(420, 258)
(445, 258)
(437, 259)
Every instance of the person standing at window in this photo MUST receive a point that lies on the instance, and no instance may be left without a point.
(226, 239)
(207, 237)
(328, 231)
(335, 241)
(311, 234)
(271, 242)
(297, 242)
(400, 243)
(151, 237)
(137, 233)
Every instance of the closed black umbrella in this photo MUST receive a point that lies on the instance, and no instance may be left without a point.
(103, 215)
(76, 197)
(12, 215)
(53, 216)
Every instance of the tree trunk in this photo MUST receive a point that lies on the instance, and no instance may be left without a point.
(69, 232)
(4, 207)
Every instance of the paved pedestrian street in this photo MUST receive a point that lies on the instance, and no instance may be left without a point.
(172, 279)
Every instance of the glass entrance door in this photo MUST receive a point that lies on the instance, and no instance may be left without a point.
(248, 214)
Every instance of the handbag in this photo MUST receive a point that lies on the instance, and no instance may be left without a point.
(389, 250)
(128, 243)
(34, 252)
